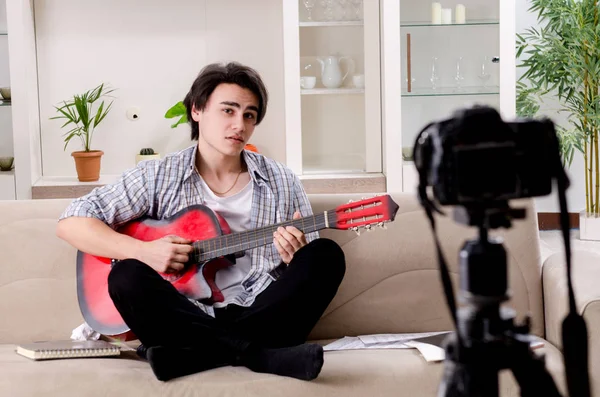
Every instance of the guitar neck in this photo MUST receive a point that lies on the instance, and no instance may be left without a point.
(235, 242)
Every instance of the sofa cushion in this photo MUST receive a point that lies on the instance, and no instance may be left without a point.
(400, 373)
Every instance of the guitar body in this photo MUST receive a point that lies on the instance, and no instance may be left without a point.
(196, 281)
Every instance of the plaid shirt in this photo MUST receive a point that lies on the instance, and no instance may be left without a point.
(161, 188)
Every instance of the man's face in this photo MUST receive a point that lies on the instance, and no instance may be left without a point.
(228, 119)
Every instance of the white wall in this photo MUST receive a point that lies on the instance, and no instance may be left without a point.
(151, 51)
(6, 141)
(576, 193)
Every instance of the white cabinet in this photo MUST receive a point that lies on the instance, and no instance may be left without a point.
(362, 131)
(332, 66)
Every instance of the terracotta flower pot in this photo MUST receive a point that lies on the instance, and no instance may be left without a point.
(88, 165)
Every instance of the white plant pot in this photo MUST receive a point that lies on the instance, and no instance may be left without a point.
(589, 226)
(142, 157)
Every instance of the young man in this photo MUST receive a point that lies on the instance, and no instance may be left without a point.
(273, 295)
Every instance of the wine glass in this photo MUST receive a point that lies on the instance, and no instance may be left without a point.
(484, 75)
(328, 5)
(459, 78)
(435, 74)
(356, 4)
(343, 4)
(309, 5)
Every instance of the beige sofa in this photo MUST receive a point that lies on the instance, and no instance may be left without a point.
(391, 286)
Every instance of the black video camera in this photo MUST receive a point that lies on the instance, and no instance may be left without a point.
(476, 157)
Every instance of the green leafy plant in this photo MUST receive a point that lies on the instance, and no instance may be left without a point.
(80, 113)
(177, 110)
(146, 151)
(563, 60)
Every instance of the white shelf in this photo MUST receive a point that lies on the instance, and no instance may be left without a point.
(315, 24)
(72, 181)
(473, 22)
(332, 91)
(450, 91)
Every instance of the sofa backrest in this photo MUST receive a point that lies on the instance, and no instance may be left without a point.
(392, 282)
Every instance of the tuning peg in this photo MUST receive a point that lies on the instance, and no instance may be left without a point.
(382, 225)
(368, 227)
(350, 201)
(356, 230)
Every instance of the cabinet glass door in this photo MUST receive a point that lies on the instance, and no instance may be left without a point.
(339, 86)
(449, 60)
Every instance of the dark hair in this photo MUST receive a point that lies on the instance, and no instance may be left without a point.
(214, 74)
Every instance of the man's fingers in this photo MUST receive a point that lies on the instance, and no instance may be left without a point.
(183, 248)
(180, 258)
(179, 240)
(285, 257)
(176, 267)
(297, 215)
(295, 232)
(287, 240)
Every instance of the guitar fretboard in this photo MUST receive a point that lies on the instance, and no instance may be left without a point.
(235, 242)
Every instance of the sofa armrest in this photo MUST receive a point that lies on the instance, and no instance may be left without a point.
(586, 280)
(586, 284)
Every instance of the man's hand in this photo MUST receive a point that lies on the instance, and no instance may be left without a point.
(166, 255)
(288, 240)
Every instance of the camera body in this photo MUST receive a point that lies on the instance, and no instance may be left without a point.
(475, 157)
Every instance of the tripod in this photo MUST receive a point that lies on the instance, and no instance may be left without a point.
(487, 340)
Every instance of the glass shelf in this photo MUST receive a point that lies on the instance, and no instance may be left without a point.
(473, 22)
(330, 23)
(5, 103)
(451, 91)
(332, 91)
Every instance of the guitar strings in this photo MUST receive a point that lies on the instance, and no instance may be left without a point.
(263, 233)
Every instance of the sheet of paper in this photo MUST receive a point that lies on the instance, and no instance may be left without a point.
(387, 338)
(429, 352)
(354, 343)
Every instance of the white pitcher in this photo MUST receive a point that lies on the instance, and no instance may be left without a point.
(331, 74)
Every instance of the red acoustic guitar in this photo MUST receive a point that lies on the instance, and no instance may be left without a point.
(213, 241)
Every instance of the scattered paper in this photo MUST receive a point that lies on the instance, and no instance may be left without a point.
(84, 332)
(387, 338)
(429, 344)
(354, 343)
(430, 353)
(377, 341)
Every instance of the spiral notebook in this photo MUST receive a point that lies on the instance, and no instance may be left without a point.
(68, 349)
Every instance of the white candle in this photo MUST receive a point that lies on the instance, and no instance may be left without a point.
(460, 14)
(436, 13)
(446, 16)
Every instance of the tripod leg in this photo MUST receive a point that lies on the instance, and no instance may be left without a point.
(531, 374)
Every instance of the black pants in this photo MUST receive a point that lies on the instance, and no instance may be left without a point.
(282, 315)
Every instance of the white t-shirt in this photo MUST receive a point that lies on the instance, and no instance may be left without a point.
(236, 211)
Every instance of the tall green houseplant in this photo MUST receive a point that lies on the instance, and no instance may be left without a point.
(563, 61)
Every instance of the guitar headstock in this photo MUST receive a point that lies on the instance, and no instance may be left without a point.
(366, 213)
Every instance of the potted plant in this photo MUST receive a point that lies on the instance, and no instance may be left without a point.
(179, 110)
(563, 61)
(83, 116)
(146, 154)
